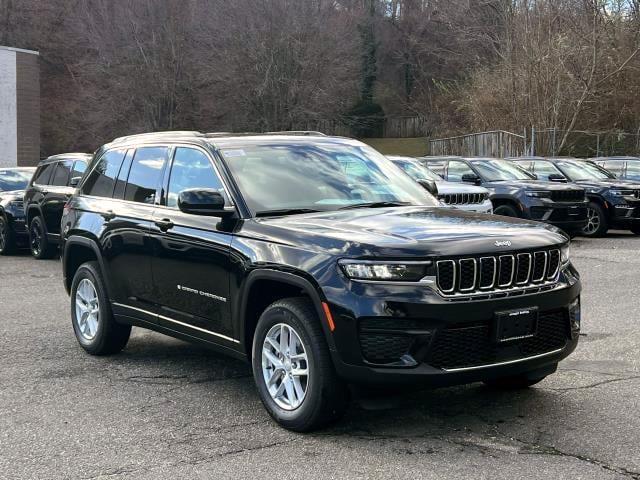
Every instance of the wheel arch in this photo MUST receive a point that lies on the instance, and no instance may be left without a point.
(78, 250)
(500, 201)
(603, 203)
(263, 287)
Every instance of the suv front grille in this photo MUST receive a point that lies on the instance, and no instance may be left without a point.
(567, 195)
(495, 273)
(636, 193)
(462, 198)
(471, 346)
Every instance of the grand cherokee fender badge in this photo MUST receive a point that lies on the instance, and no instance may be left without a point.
(201, 293)
(503, 243)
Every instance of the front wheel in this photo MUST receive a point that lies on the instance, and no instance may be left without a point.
(39, 245)
(597, 225)
(292, 367)
(7, 238)
(505, 211)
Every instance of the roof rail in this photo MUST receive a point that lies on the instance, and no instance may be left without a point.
(282, 132)
(170, 133)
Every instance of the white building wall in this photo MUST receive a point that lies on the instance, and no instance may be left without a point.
(8, 109)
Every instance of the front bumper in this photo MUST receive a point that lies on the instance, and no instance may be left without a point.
(625, 211)
(568, 216)
(410, 334)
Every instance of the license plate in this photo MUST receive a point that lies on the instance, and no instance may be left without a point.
(516, 324)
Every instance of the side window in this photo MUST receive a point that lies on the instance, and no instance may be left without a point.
(544, 169)
(102, 178)
(191, 169)
(436, 167)
(145, 174)
(43, 174)
(456, 170)
(61, 173)
(615, 166)
(121, 182)
(79, 167)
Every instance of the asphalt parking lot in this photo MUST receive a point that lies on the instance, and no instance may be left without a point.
(167, 409)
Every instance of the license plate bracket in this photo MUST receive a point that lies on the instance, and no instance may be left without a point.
(518, 324)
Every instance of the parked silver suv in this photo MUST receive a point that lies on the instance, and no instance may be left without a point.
(463, 197)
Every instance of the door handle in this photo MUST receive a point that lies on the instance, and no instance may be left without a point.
(108, 215)
(164, 224)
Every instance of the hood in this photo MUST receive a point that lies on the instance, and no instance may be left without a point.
(404, 231)
(445, 187)
(11, 195)
(609, 183)
(531, 185)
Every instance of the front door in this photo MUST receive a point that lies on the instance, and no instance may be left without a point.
(191, 265)
(57, 194)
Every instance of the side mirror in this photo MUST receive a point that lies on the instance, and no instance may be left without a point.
(203, 202)
(556, 177)
(75, 181)
(471, 178)
(430, 186)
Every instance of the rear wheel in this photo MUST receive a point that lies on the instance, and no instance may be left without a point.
(292, 367)
(40, 247)
(7, 238)
(505, 211)
(93, 323)
(597, 225)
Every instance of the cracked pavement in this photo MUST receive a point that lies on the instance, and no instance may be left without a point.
(167, 409)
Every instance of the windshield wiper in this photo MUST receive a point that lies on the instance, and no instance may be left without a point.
(375, 205)
(285, 211)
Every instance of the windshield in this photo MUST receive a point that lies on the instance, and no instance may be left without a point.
(576, 171)
(497, 170)
(417, 171)
(14, 179)
(319, 177)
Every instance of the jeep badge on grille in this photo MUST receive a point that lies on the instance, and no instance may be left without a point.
(503, 243)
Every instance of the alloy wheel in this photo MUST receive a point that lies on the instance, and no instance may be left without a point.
(285, 367)
(3, 234)
(35, 239)
(87, 307)
(593, 222)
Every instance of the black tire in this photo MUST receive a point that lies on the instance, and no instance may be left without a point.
(506, 211)
(110, 337)
(597, 223)
(40, 247)
(519, 382)
(7, 237)
(327, 396)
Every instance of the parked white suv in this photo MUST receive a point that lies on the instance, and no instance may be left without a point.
(454, 195)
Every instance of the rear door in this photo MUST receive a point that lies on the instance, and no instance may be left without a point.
(191, 265)
(55, 196)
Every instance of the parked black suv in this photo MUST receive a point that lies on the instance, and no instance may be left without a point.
(516, 193)
(613, 203)
(316, 259)
(50, 188)
(13, 233)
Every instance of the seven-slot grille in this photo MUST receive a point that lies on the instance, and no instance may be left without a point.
(462, 198)
(497, 272)
(567, 195)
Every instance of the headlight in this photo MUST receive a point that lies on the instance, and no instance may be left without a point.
(621, 193)
(538, 193)
(389, 271)
(564, 254)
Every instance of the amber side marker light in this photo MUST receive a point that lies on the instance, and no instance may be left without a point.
(327, 313)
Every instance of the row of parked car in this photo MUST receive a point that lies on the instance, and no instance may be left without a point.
(582, 197)
(316, 259)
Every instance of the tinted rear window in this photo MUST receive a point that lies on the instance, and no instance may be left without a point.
(101, 180)
(43, 174)
(61, 174)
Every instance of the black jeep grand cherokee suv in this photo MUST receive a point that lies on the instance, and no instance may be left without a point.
(517, 193)
(317, 260)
